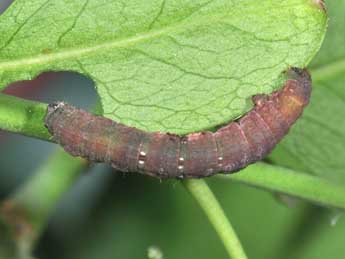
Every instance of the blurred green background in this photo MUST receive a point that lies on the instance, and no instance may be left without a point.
(110, 215)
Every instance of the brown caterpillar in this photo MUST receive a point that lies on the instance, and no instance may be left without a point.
(195, 155)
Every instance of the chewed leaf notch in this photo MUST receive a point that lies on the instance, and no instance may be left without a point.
(195, 155)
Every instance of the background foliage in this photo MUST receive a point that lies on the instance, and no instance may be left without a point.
(106, 215)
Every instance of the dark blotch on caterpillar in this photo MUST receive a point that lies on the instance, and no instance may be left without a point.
(196, 155)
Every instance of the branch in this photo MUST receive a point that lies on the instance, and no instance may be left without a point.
(24, 215)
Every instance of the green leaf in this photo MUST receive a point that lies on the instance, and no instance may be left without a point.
(317, 142)
(326, 241)
(177, 66)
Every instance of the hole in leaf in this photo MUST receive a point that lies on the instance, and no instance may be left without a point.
(4, 4)
(48, 87)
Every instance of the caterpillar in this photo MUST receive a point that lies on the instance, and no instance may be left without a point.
(196, 155)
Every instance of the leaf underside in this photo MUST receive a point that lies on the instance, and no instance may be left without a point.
(172, 66)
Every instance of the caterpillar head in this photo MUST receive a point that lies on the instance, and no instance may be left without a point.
(53, 108)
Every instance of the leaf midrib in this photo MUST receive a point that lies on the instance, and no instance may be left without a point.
(117, 43)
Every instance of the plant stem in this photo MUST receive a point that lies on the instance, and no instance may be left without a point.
(23, 116)
(209, 203)
(26, 212)
(41, 193)
(298, 184)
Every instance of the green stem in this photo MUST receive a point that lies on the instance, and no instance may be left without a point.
(208, 202)
(41, 193)
(23, 116)
(26, 212)
(298, 184)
